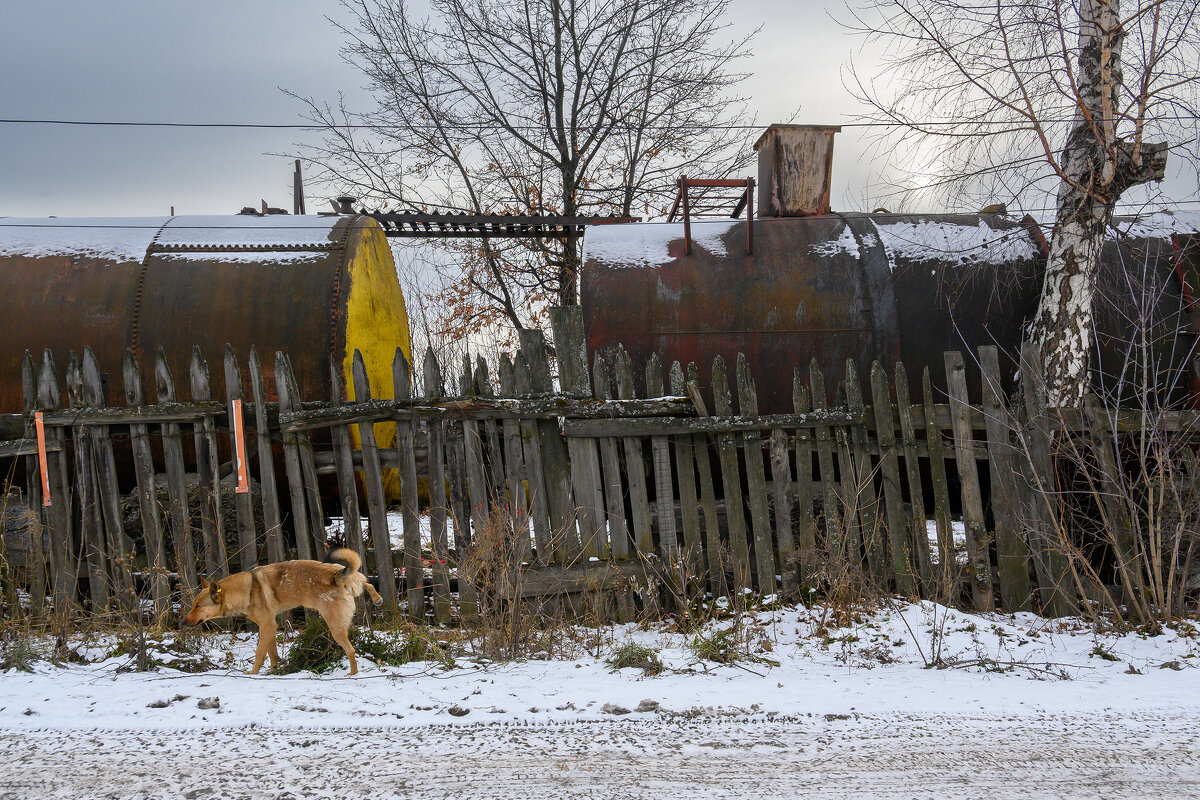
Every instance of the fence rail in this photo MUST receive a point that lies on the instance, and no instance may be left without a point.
(652, 499)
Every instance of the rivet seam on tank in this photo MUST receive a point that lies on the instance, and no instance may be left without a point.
(134, 345)
(335, 301)
(241, 248)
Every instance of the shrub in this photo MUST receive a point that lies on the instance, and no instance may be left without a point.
(314, 650)
(630, 654)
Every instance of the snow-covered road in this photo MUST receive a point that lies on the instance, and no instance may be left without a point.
(1144, 755)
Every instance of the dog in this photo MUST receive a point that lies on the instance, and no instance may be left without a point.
(327, 587)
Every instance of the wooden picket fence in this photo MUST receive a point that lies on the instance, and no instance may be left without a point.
(654, 500)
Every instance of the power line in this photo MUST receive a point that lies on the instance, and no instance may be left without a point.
(1003, 126)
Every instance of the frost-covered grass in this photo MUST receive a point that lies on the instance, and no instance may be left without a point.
(905, 658)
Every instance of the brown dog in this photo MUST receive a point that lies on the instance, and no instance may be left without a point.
(328, 588)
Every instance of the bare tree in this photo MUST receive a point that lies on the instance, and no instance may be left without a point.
(545, 106)
(1073, 98)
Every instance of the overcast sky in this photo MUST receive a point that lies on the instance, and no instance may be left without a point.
(226, 61)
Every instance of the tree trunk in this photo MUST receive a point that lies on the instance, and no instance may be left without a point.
(1097, 166)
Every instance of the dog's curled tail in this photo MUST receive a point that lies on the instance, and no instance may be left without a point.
(349, 560)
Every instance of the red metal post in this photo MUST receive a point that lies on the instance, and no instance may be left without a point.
(687, 220)
(750, 216)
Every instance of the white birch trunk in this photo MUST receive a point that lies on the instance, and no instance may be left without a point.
(1097, 166)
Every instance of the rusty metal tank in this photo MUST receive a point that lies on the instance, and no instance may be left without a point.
(865, 286)
(316, 287)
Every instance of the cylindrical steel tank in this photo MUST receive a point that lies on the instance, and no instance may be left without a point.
(316, 287)
(863, 286)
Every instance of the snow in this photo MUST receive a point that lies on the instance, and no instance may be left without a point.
(958, 534)
(395, 523)
(122, 239)
(235, 229)
(818, 661)
(845, 244)
(646, 244)
(1161, 224)
(126, 239)
(832, 702)
(962, 245)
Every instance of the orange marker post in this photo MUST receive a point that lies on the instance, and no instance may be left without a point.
(40, 424)
(239, 444)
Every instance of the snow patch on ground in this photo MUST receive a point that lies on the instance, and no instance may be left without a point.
(646, 244)
(123, 239)
(961, 245)
(797, 662)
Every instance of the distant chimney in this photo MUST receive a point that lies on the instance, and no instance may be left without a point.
(794, 164)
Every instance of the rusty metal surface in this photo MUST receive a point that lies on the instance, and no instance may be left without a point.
(779, 307)
(887, 287)
(200, 293)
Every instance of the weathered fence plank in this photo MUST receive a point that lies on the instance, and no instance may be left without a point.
(58, 516)
(664, 485)
(979, 565)
(614, 496)
(176, 470)
(272, 517)
(243, 501)
(807, 527)
(344, 463)
(143, 467)
(91, 527)
(1055, 589)
(564, 509)
(297, 492)
(514, 469)
(208, 462)
(898, 543)
(834, 536)
(377, 523)
(947, 564)
(109, 490)
(413, 575)
(1012, 556)
(491, 427)
(731, 482)
(689, 502)
(478, 504)
(756, 483)
(580, 476)
(538, 505)
(431, 372)
(918, 538)
(1110, 485)
(862, 473)
(33, 489)
(714, 548)
(635, 466)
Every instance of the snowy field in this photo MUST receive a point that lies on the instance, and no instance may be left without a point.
(1023, 707)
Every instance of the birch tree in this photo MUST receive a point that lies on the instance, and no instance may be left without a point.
(1078, 100)
(564, 107)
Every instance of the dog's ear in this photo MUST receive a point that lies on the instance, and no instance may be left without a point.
(214, 591)
(204, 584)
